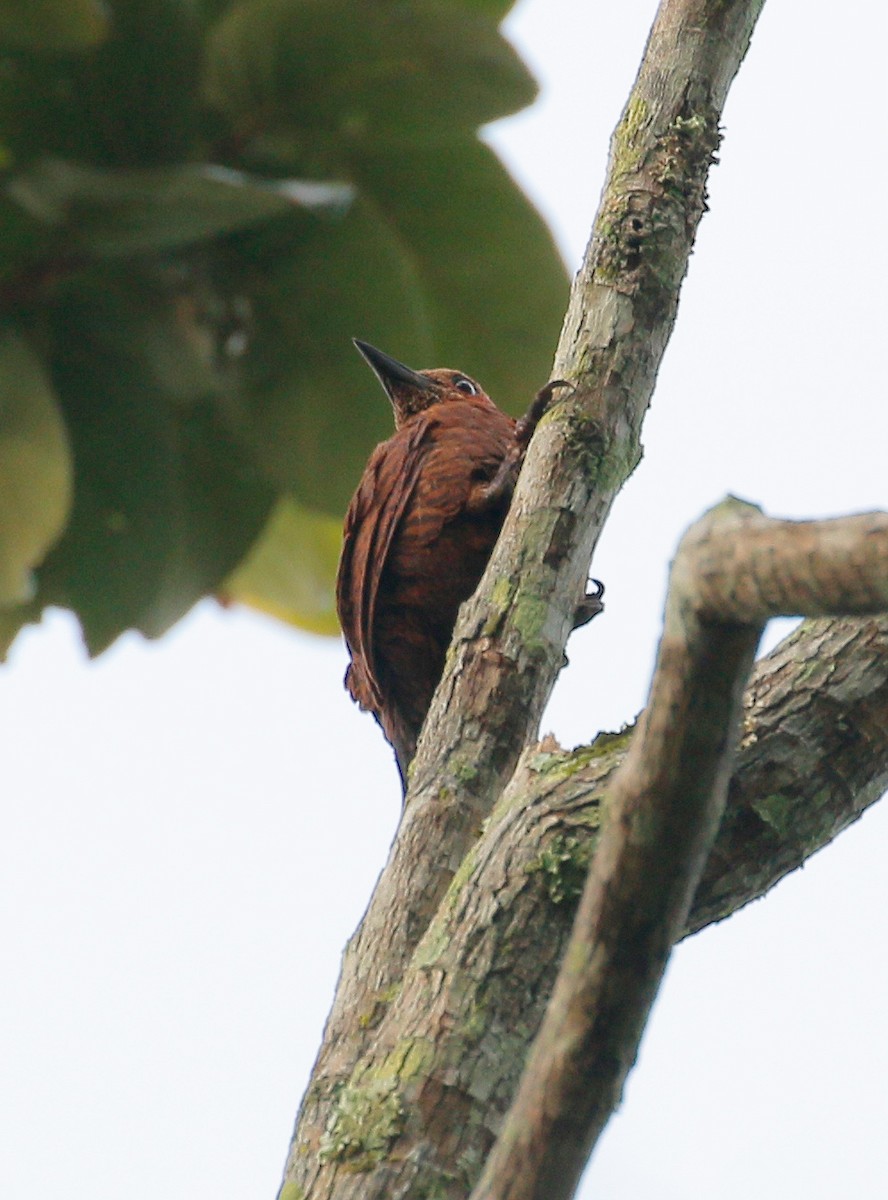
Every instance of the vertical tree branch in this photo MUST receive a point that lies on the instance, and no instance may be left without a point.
(509, 641)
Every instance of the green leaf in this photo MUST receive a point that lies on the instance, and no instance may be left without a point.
(441, 262)
(491, 8)
(53, 25)
(23, 239)
(494, 284)
(35, 468)
(132, 101)
(308, 408)
(140, 90)
(165, 505)
(291, 570)
(41, 109)
(12, 622)
(113, 213)
(335, 73)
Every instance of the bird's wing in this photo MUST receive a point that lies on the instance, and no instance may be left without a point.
(385, 490)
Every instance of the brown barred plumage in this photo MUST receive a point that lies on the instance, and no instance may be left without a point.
(418, 533)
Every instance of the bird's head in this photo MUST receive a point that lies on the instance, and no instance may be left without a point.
(412, 392)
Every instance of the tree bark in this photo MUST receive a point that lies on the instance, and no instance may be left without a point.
(509, 642)
(444, 1051)
(444, 984)
(732, 571)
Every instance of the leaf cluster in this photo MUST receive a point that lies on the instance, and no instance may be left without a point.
(201, 201)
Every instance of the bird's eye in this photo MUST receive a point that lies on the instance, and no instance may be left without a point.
(464, 385)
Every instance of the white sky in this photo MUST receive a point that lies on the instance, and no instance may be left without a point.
(192, 828)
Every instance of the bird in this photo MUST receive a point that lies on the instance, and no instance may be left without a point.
(418, 534)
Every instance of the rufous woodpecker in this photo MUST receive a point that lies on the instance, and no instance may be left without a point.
(418, 534)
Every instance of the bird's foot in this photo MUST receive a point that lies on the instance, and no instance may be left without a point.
(493, 493)
(526, 425)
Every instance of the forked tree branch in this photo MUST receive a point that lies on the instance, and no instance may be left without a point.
(384, 1114)
(509, 641)
(444, 1050)
(733, 570)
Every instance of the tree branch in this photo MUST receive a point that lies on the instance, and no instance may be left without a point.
(444, 1050)
(732, 570)
(509, 640)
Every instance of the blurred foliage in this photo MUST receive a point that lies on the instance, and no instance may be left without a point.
(201, 202)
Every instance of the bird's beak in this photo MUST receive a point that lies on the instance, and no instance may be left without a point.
(392, 374)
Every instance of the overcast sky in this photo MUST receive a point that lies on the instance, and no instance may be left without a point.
(191, 828)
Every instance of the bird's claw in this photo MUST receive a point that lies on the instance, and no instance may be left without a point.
(485, 496)
(527, 424)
